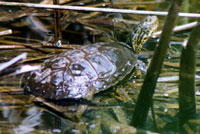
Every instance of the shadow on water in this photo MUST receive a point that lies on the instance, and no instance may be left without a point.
(109, 111)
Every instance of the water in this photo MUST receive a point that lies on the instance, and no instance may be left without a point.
(109, 111)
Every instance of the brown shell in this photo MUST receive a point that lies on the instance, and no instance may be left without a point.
(75, 73)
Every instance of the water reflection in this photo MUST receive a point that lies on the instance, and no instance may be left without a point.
(18, 118)
(31, 121)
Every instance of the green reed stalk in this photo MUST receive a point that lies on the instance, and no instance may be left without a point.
(187, 101)
(145, 97)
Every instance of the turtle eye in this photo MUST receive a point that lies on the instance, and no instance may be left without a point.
(145, 39)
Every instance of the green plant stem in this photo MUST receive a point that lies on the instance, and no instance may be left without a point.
(187, 102)
(146, 94)
(57, 29)
(94, 9)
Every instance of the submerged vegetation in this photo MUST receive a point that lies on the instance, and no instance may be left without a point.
(28, 36)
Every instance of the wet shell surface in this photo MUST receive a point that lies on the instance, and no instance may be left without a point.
(75, 73)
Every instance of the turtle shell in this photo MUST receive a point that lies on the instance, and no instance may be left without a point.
(74, 73)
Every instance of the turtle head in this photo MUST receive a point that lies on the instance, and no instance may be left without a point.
(143, 32)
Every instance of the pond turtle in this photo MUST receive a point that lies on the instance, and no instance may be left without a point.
(89, 69)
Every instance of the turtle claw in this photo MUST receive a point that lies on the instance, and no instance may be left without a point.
(121, 94)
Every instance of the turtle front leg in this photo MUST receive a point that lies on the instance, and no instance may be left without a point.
(140, 69)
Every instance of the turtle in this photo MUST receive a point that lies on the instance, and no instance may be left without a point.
(89, 69)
